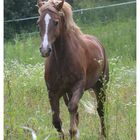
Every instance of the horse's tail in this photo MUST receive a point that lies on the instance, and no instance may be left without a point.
(106, 64)
(106, 67)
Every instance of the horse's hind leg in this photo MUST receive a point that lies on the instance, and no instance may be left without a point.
(54, 102)
(101, 97)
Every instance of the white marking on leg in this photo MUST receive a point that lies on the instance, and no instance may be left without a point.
(78, 134)
(67, 96)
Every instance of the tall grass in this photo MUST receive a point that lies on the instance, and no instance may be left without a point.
(26, 104)
(26, 101)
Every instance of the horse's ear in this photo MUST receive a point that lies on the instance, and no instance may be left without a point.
(40, 3)
(59, 4)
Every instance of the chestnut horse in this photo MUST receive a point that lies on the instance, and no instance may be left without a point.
(75, 62)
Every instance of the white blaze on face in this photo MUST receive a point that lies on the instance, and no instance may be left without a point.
(45, 42)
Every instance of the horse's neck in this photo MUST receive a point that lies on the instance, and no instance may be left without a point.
(61, 47)
(64, 46)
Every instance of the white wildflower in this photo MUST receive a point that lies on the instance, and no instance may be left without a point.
(89, 107)
(34, 136)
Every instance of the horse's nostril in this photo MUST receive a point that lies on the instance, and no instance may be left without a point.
(49, 50)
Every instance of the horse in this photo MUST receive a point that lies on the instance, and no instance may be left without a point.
(74, 62)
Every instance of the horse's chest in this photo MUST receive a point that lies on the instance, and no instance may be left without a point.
(60, 79)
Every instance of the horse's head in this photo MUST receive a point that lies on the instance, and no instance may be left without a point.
(49, 23)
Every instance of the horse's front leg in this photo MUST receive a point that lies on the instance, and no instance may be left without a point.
(54, 102)
(77, 93)
(67, 97)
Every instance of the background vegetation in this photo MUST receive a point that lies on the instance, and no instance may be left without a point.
(27, 109)
(15, 9)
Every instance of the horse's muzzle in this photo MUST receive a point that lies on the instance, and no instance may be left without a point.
(45, 52)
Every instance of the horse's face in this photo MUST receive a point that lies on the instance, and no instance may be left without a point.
(49, 27)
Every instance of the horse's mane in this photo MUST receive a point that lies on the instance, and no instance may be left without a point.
(68, 16)
(66, 13)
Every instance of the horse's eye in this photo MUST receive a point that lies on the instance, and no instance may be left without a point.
(55, 23)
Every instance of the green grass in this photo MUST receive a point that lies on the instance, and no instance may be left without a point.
(26, 99)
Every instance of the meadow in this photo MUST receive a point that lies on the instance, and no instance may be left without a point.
(27, 111)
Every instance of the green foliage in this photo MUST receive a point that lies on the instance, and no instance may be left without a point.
(105, 15)
(78, 4)
(14, 9)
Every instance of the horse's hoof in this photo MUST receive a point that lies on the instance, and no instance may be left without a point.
(61, 136)
(102, 137)
(75, 135)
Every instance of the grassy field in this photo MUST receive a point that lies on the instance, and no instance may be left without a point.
(26, 99)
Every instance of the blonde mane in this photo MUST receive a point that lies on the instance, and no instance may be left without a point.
(68, 15)
(66, 12)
